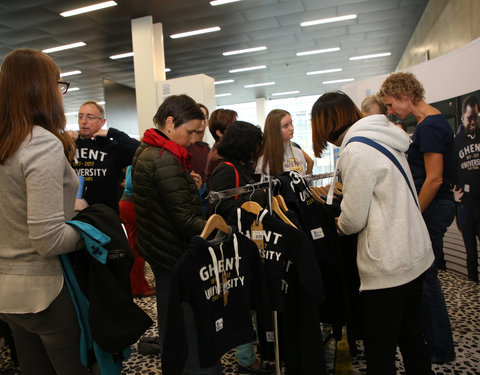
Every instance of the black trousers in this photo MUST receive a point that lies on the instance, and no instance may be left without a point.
(392, 317)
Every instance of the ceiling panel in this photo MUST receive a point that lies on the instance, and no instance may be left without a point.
(382, 25)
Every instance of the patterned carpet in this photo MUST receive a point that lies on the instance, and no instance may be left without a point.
(463, 301)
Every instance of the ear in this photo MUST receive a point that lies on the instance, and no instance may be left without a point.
(169, 124)
(104, 121)
(219, 133)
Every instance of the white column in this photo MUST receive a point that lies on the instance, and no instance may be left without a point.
(149, 67)
(261, 106)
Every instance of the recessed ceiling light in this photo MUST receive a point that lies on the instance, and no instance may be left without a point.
(71, 73)
(329, 20)
(324, 71)
(285, 93)
(370, 56)
(89, 8)
(339, 81)
(195, 32)
(221, 2)
(122, 55)
(220, 95)
(224, 81)
(66, 46)
(247, 69)
(259, 84)
(325, 50)
(73, 89)
(247, 50)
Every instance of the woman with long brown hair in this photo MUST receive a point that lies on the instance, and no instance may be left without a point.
(37, 192)
(279, 153)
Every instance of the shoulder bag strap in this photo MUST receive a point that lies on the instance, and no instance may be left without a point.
(389, 155)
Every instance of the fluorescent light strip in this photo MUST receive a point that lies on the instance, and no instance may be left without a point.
(221, 2)
(220, 95)
(326, 50)
(339, 81)
(259, 84)
(66, 46)
(195, 32)
(324, 71)
(370, 56)
(71, 73)
(225, 81)
(73, 89)
(247, 69)
(71, 113)
(122, 55)
(167, 70)
(285, 93)
(247, 50)
(89, 8)
(101, 103)
(329, 20)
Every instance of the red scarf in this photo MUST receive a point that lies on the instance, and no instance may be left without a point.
(153, 138)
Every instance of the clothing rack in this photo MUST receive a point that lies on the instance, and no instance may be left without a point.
(216, 196)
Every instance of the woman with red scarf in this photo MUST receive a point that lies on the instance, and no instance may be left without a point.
(167, 203)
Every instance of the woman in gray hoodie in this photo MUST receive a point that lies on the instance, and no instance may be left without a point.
(380, 204)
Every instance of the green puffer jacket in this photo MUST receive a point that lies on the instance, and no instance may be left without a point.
(167, 202)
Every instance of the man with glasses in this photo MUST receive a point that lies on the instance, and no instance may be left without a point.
(101, 155)
(467, 189)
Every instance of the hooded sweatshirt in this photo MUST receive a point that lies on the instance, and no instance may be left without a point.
(393, 243)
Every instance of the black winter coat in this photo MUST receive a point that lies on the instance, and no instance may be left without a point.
(167, 204)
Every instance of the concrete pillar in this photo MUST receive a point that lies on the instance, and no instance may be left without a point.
(261, 115)
(149, 67)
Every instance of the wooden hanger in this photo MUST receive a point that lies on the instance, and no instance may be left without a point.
(252, 206)
(215, 221)
(316, 194)
(276, 208)
(339, 187)
(281, 203)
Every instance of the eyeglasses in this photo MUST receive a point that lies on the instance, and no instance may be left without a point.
(89, 117)
(81, 116)
(63, 86)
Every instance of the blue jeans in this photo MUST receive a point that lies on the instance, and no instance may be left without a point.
(438, 216)
(469, 217)
(436, 324)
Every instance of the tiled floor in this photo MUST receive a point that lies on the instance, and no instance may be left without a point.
(463, 301)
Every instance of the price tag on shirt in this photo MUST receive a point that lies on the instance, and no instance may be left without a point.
(225, 288)
(256, 231)
(317, 233)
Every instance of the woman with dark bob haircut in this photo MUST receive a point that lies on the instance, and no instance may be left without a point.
(393, 247)
(239, 148)
(37, 192)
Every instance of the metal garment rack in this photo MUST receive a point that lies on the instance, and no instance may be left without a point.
(217, 196)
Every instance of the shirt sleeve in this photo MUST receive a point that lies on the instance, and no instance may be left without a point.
(44, 168)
